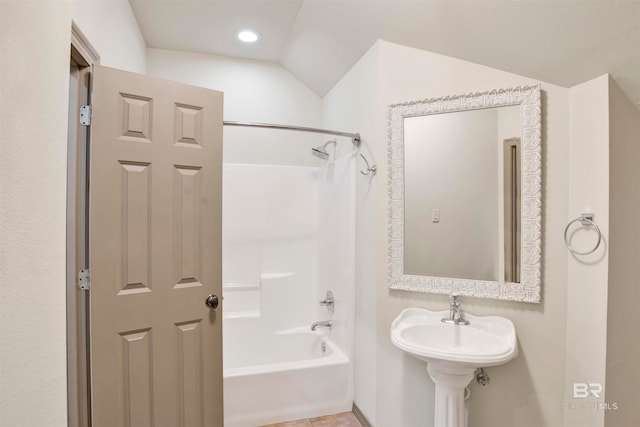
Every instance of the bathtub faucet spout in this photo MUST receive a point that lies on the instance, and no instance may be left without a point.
(322, 324)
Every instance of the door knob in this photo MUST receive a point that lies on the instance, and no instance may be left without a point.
(212, 301)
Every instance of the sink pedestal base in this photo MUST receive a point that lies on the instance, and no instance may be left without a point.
(450, 383)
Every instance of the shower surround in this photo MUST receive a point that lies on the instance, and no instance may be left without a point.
(288, 237)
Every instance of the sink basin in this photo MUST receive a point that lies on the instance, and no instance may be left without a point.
(453, 352)
(486, 341)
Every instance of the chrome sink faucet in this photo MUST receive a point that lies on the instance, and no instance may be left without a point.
(456, 315)
(322, 324)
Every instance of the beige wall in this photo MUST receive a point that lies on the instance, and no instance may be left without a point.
(623, 316)
(524, 392)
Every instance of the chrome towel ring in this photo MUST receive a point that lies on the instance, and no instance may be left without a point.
(587, 220)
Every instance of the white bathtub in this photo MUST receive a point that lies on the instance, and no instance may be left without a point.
(284, 376)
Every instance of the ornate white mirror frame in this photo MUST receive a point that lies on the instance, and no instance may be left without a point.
(528, 290)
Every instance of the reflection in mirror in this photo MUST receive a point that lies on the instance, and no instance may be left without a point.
(459, 192)
(465, 195)
(512, 181)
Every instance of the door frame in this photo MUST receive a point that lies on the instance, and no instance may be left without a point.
(82, 57)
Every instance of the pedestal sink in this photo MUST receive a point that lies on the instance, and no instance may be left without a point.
(453, 352)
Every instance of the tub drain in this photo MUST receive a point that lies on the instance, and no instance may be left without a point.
(323, 347)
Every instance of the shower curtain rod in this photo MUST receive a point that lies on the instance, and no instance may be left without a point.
(355, 137)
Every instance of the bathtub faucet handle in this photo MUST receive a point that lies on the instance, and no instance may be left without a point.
(328, 301)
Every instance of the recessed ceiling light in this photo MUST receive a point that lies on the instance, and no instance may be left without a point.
(248, 36)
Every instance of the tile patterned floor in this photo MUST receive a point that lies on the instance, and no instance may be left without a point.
(346, 419)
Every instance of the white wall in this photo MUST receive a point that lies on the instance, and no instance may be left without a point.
(254, 91)
(34, 85)
(34, 40)
(353, 105)
(530, 386)
(602, 287)
(113, 31)
(587, 275)
(623, 316)
(524, 392)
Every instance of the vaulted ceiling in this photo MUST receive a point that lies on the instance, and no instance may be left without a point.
(564, 42)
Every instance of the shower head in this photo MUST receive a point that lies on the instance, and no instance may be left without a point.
(321, 152)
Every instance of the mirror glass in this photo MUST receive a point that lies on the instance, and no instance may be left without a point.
(465, 195)
(456, 166)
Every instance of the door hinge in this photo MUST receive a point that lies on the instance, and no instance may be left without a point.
(85, 115)
(84, 279)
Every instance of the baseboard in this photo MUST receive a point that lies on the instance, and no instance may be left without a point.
(360, 416)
